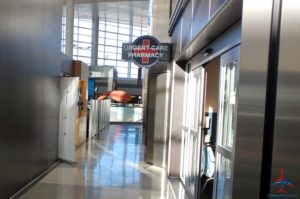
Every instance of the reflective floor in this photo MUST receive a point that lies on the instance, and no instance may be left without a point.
(109, 167)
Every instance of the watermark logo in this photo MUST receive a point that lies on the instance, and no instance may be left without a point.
(282, 185)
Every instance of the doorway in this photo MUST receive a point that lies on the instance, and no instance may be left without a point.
(225, 145)
(208, 128)
(192, 125)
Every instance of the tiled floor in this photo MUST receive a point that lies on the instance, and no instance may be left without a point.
(111, 168)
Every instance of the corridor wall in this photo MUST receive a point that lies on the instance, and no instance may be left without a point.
(30, 57)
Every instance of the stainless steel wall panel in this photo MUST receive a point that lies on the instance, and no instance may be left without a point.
(160, 20)
(145, 103)
(251, 98)
(30, 64)
(229, 15)
(200, 15)
(157, 118)
(176, 39)
(215, 5)
(226, 41)
(157, 107)
(287, 118)
(187, 25)
(176, 118)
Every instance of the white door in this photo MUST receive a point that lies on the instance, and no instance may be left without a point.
(68, 113)
(192, 125)
(226, 124)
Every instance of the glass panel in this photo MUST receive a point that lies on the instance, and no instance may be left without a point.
(111, 28)
(145, 29)
(124, 26)
(134, 71)
(123, 75)
(121, 42)
(122, 70)
(185, 105)
(100, 62)
(122, 64)
(119, 56)
(84, 31)
(228, 105)
(111, 49)
(224, 178)
(102, 26)
(101, 54)
(83, 45)
(85, 23)
(111, 35)
(101, 34)
(84, 52)
(195, 110)
(134, 38)
(123, 30)
(75, 52)
(110, 63)
(100, 48)
(75, 30)
(124, 37)
(192, 105)
(76, 21)
(86, 60)
(111, 42)
(101, 41)
(84, 38)
(111, 24)
(110, 55)
(134, 66)
(136, 32)
(134, 76)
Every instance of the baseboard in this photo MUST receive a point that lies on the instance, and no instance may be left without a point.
(34, 181)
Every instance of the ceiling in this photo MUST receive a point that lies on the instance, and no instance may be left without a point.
(114, 10)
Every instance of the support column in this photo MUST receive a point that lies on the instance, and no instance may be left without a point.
(95, 35)
(69, 27)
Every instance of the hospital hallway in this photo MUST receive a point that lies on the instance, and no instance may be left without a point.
(108, 167)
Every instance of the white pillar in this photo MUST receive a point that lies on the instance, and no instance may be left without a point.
(69, 27)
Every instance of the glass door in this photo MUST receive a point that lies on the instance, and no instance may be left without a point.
(192, 125)
(226, 124)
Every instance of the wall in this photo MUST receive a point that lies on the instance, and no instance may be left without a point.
(195, 16)
(176, 118)
(30, 61)
(212, 70)
(157, 123)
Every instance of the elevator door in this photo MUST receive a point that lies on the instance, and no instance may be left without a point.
(192, 125)
(226, 124)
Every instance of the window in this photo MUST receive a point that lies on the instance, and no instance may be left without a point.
(110, 39)
(82, 44)
(111, 35)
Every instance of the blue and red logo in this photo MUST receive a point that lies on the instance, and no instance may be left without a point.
(282, 184)
(146, 51)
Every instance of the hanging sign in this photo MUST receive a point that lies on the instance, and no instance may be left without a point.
(146, 51)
